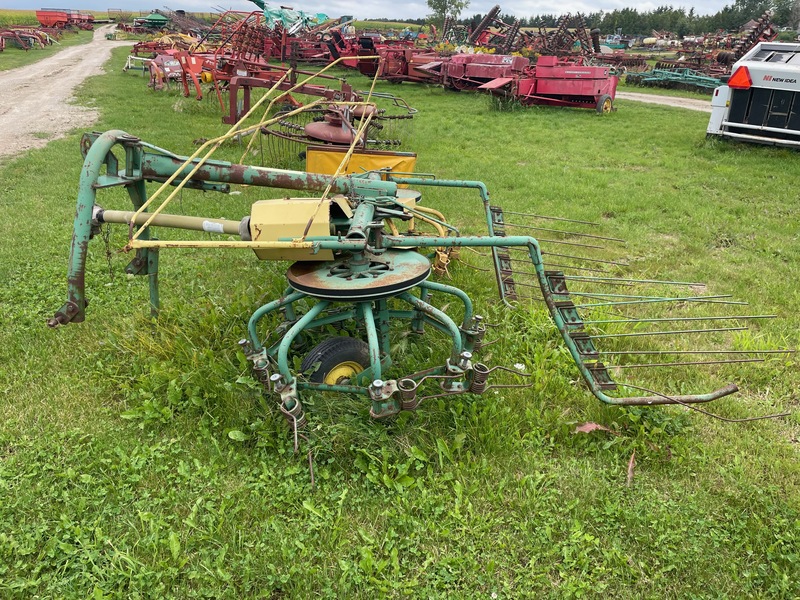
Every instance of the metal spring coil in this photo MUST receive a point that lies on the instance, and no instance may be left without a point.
(408, 394)
(480, 374)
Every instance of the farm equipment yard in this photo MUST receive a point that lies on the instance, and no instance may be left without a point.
(495, 259)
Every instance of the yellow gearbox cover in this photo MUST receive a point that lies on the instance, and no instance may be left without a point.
(275, 220)
(326, 159)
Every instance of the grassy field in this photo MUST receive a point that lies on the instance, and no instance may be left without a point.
(10, 16)
(119, 477)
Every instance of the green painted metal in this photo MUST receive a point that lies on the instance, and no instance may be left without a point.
(368, 319)
(675, 78)
(360, 243)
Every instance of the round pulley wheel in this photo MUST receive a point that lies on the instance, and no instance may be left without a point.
(377, 277)
(336, 360)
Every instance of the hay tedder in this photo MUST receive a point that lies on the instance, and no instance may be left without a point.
(363, 255)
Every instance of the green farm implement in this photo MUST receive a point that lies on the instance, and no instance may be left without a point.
(675, 78)
(364, 253)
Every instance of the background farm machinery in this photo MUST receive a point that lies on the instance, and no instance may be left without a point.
(26, 38)
(703, 70)
(554, 82)
(65, 19)
(241, 65)
(551, 81)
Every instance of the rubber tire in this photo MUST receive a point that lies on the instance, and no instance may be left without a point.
(333, 352)
(601, 104)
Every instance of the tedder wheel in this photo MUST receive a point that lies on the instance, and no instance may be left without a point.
(336, 360)
(604, 104)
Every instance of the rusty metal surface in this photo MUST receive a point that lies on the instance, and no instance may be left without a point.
(386, 275)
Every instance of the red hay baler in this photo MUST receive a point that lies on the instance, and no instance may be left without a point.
(555, 82)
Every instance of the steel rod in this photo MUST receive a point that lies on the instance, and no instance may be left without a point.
(667, 319)
(565, 256)
(565, 243)
(699, 299)
(593, 260)
(574, 233)
(677, 332)
(636, 296)
(651, 352)
(687, 363)
(666, 399)
(587, 269)
(508, 212)
(657, 281)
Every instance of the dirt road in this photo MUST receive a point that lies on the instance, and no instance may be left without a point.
(35, 100)
(703, 105)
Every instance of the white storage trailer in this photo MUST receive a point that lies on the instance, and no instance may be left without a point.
(760, 102)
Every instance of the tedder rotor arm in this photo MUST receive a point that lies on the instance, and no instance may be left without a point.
(566, 319)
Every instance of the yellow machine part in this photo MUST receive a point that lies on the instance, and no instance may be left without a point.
(181, 41)
(326, 159)
(274, 220)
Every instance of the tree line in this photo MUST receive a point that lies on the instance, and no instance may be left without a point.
(786, 13)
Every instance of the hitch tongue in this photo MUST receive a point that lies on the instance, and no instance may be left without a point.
(69, 313)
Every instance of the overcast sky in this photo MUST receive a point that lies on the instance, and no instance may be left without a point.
(379, 8)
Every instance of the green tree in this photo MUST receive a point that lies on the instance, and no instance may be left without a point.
(446, 8)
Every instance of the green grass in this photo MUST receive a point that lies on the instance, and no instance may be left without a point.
(14, 57)
(119, 478)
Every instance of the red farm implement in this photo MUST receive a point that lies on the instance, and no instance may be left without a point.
(81, 20)
(351, 48)
(24, 38)
(283, 79)
(555, 82)
(53, 17)
(406, 64)
(63, 18)
(456, 72)
(240, 63)
(470, 71)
